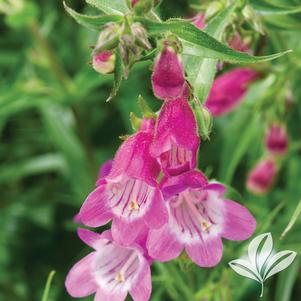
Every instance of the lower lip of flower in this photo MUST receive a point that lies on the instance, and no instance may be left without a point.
(189, 216)
(129, 198)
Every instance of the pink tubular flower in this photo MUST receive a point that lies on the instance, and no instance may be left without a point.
(111, 271)
(228, 90)
(199, 217)
(276, 139)
(129, 195)
(168, 78)
(262, 176)
(104, 62)
(176, 141)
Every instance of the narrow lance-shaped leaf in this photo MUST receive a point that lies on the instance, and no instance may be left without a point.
(279, 262)
(267, 8)
(292, 221)
(202, 44)
(110, 6)
(201, 71)
(92, 22)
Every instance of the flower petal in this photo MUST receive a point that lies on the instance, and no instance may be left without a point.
(157, 215)
(95, 212)
(125, 233)
(163, 245)
(88, 237)
(102, 295)
(79, 281)
(207, 253)
(239, 223)
(142, 290)
(191, 179)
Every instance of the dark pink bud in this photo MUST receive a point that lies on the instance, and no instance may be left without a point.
(134, 2)
(228, 90)
(168, 77)
(262, 176)
(104, 62)
(276, 140)
(199, 21)
(236, 43)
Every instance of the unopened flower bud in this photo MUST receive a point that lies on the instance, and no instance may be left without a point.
(140, 35)
(262, 176)
(276, 140)
(108, 38)
(168, 78)
(104, 62)
(199, 21)
(204, 120)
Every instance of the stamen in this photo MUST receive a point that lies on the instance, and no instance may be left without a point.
(204, 223)
(120, 277)
(133, 205)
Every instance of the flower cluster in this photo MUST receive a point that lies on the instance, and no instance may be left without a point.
(261, 178)
(159, 203)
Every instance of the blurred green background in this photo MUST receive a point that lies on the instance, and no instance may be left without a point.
(56, 130)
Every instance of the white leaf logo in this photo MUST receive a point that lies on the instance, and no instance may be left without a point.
(262, 263)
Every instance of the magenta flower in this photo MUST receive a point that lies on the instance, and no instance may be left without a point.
(168, 78)
(199, 21)
(105, 169)
(276, 139)
(129, 195)
(228, 90)
(111, 271)
(104, 62)
(199, 217)
(262, 176)
(176, 140)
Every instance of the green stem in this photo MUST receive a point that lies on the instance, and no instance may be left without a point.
(47, 286)
(261, 294)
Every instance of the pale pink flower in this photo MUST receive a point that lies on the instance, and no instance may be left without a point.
(111, 271)
(199, 217)
(104, 62)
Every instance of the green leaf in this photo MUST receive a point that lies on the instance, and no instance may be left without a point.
(243, 129)
(47, 287)
(110, 6)
(266, 8)
(283, 22)
(201, 71)
(118, 75)
(292, 221)
(92, 22)
(201, 44)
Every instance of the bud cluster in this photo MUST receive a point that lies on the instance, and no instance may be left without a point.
(130, 39)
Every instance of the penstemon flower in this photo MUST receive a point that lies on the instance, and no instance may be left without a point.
(168, 78)
(104, 62)
(262, 176)
(176, 140)
(111, 271)
(199, 217)
(129, 195)
(276, 140)
(228, 90)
